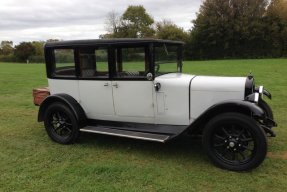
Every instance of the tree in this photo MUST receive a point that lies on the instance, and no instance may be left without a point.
(6, 48)
(39, 48)
(276, 19)
(38, 56)
(168, 30)
(112, 24)
(24, 50)
(233, 28)
(136, 23)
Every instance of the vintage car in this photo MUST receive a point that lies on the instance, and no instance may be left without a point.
(135, 88)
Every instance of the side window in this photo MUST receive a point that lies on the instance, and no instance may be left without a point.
(166, 59)
(132, 62)
(64, 62)
(94, 62)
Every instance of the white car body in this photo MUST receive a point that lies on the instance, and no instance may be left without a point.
(137, 101)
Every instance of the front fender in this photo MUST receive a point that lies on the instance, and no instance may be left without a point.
(254, 109)
(244, 107)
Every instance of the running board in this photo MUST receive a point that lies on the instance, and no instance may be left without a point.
(124, 133)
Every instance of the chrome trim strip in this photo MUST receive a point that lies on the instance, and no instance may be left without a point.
(256, 98)
(122, 135)
(261, 89)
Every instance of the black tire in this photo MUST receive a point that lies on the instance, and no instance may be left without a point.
(61, 124)
(268, 111)
(235, 142)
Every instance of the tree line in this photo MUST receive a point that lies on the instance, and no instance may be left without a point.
(28, 52)
(222, 29)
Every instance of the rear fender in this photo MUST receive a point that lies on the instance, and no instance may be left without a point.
(67, 100)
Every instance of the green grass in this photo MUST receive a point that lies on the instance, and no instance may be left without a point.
(30, 161)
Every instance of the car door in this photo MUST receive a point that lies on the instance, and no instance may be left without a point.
(133, 98)
(132, 92)
(96, 94)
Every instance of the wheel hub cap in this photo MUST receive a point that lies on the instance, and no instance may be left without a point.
(231, 144)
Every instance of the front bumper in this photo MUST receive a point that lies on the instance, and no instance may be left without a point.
(267, 126)
(266, 122)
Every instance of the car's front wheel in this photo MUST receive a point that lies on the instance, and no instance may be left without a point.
(235, 142)
(61, 124)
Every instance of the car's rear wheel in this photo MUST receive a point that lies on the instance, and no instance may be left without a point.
(235, 142)
(61, 124)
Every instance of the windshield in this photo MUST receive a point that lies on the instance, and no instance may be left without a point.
(167, 59)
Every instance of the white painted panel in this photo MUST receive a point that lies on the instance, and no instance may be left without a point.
(202, 100)
(70, 87)
(212, 83)
(207, 91)
(96, 98)
(174, 93)
(134, 99)
(160, 103)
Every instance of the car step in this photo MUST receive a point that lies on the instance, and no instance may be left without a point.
(124, 133)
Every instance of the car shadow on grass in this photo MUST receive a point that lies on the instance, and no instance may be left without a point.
(183, 147)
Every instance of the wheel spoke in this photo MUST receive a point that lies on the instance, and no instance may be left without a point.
(233, 129)
(240, 133)
(219, 137)
(57, 129)
(54, 117)
(68, 129)
(246, 139)
(70, 124)
(245, 147)
(224, 152)
(61, 131)
(59, 116)
(218, 145)
(225, 132)
(233, 156)
(242, 155)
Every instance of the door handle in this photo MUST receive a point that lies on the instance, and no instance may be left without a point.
(106, 84)
(157, 86)
(116, 85)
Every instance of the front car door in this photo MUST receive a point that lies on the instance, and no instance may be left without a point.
(132, 92)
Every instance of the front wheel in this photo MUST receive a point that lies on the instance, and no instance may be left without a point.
(61, 124)
(266, 108)
(235, 142)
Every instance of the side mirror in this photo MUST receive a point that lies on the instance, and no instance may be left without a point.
(149, 76)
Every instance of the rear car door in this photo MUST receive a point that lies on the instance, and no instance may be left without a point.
(94, 85)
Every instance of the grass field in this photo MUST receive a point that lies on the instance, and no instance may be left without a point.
(30, 161)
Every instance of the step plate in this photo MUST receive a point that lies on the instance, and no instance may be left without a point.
(123, 133)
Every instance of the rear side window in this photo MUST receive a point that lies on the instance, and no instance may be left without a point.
(64, 62)
(94, 62)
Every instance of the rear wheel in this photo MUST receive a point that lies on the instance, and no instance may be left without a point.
(61, 124)
(235, 142)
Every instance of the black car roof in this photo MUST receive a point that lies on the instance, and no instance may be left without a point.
(109, 42)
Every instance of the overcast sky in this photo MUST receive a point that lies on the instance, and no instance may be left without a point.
(33, 20)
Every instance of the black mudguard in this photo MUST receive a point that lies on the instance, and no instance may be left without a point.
(245, 107)
(67, 100)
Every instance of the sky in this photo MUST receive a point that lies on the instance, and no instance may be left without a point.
(36, 20)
